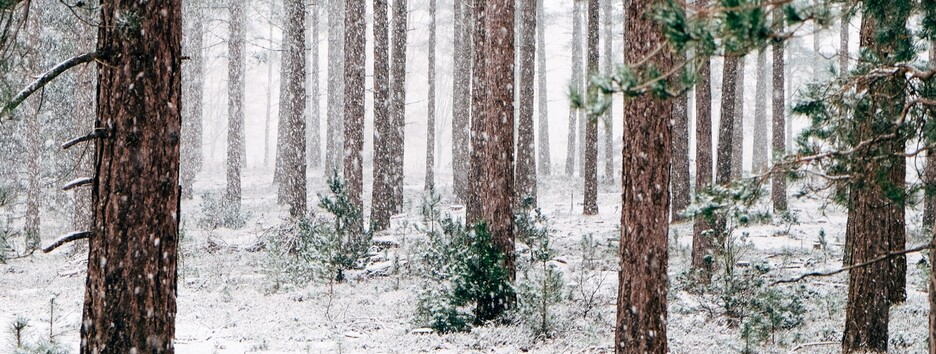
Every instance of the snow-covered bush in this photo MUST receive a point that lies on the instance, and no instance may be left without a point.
(541, 285)
(23, 346)
(216, 212)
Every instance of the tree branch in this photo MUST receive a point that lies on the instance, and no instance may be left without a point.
(45, 79)
(885, 257)
(74, 236)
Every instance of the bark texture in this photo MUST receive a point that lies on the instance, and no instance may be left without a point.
(607, 14)
(334, 144)
(130, 294)
(727, 121)
(194, 91)
(313, 122)
(542, 99)
(397, 103)
(778, 196)
(759, 151)
(737, 129)
(236, 70)
(591, 124)
(526, 138)
(461, 100)
(680, 184)
(430, 123)
(642, 280)
(380, 194)
(576, 84)
(354, 61)
(701, 238)
(292, 108)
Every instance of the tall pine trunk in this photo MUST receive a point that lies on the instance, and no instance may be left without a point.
(680, 184)
(313, 123)
(492, 134)
(269, 100)
(430, 110)
(542, 99)
(737, 129)
(640, 326)
(380, 194)
(354, 61)
(33, 138)
(577, 79)
(236, 71)
(778, 196)
(130, 297)
(461, 100)
(292, 108)
(526, 142)
(607, 15)
(759, 158)
(701, 227)
(193, 42)
(397, 103)
(591, 126)
(334, 145)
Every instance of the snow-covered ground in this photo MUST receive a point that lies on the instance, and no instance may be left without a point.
(228, 303)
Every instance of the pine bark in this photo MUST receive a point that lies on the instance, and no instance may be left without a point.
(380, 194)
(193, 42)
(701, 238)
(607, 15)
(397, 103)
(542, 99)
(33, 141)
(430, 120)
(726, 122)
(269, 101)
(680, 185)
(640, 326)
(526, 142)
(843, 45)
(86, 110)
(292, 108)
(737, 129)
(236, 91)
(929, 174)
(334, 144)
(932, 295)
(759, 153)
(354, 61)
(476, 17)
(313, 122)
(130, 296)
(461, 100)
(577, 79)
(778, 196)
(591, 124)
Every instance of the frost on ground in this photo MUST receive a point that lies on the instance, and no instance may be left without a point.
(229, 302)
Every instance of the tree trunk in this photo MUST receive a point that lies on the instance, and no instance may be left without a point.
(759, 154)
(192, 119)
(430, 111)
(130, 297)
(492, 136)
(85, 114)
(397, 104)
(269, 101)
(476, 17)
(381, 192)
(545, 161)
(236, 71)
(461, 100)
(642, 279)
(843, 45)
(608, 117)
(726, 123)
(680, 186)
(737, 129)
(33, 140)
(929, 174)
(334, 149)
(313, 129)
(701, 238)
(591, 126)
(354, 61)
(932, 293)
(778, 122)
(292, 106)
(875, 219)
(576, 84)
(526, 143)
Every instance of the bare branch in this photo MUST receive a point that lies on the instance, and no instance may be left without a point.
(45, 79)
(78, 183)
(94, 134)
(859, 265)
(73, 236)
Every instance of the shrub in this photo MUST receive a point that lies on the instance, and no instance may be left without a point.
(217, 212)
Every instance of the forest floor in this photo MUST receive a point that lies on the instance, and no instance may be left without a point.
(230, 302)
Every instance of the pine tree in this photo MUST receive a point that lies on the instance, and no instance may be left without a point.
(430, 123)
(680, 184)
(193, 41)
(292, 108)
(461, 99)
(334, 144)
(640, 326)
(397, 103)
(737, 130)
(313, 123)
(381, 194)
(759, 153)
(130, 297)
(701, 239)
(236, 90)
(591, 126)
(607, 15)
(269, 101)
(778, 122)
(576, 83)
(354, 61)
(545, 161)
(526, 143)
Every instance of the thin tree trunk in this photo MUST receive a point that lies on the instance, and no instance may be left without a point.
(591, 126)
(778, 122)
(354, 61)
(607, 15)
(461, 100)
(430, 123)
(381, 192)
(313, 138)
(929, 174)
(492, 137)
(726, 142)
(526, 144)
(737, 129)
(397, 103)
(476, 17)
(932, 291)
(545, 162)
(85, 94)
(680, 163)
(701, 239)
(843, 45)
(33, 141)
(192, 119)
(236, 71)
(576, 83)
(269, 99)
(640, 326)
(130, 297)
(334, 150)
(759, 153)
(292, 106)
